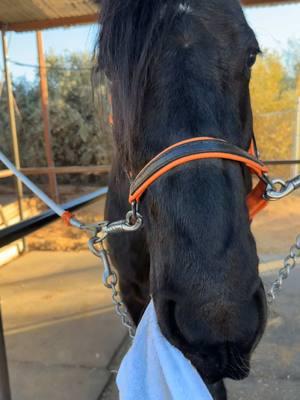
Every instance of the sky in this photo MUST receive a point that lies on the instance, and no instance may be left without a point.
(272, 25)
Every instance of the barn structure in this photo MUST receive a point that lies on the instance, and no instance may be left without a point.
(32, 15)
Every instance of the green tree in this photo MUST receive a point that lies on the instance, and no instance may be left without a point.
(80, 131)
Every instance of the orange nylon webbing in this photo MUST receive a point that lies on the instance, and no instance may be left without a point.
(255, 200)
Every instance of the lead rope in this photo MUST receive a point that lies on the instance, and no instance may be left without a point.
(110, 280)
(132, 223)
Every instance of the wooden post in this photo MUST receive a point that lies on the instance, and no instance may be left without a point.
(296, 169)
(12, 121)
(45, 113)
(4, 377)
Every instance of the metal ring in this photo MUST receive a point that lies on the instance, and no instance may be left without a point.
(92, 242)
(111, 280)
(138, 220)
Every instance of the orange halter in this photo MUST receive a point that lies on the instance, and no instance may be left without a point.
(201, 148)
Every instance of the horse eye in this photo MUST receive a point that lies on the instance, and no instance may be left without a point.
(251, 59)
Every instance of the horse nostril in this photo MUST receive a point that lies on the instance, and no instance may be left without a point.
(171, 309)
(168, 314)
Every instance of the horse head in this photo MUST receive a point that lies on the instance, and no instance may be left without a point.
(178, 70)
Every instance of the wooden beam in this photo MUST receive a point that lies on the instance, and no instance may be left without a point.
(5, 173)
(89, 170)
(45, 115)
(35, 171)
(93, 18)
(49, 23)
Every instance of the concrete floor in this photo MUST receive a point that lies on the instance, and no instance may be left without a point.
(276, 362)
(61, 330)
(65, 343)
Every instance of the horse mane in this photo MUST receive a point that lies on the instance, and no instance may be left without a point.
(132, 34)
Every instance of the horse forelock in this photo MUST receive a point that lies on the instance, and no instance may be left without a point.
(131, 37)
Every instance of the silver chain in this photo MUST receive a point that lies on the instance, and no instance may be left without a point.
(132, 223)
(110, 280)
(288, 265)
(120, 307)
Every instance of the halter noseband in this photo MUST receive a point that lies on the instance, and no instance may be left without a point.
(201, 148)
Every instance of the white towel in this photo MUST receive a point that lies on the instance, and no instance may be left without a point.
(153, 369)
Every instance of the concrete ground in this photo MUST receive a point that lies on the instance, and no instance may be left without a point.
(61, 331)
(276, 362)
(65, 343)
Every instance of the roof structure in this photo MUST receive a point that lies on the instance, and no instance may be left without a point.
(29, 15)
(267, 2)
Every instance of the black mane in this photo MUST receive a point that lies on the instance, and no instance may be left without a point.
(130, 39)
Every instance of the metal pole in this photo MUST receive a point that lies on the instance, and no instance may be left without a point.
(12, 121)
(45, 113)
(24, 228)
(4, 377)
(296, 169)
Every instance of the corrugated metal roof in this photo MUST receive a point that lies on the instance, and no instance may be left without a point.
(35, 14)
(24, 15)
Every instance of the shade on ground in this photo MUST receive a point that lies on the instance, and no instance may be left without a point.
(61, 330)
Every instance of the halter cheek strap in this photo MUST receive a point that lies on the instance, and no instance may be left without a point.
(201, 148)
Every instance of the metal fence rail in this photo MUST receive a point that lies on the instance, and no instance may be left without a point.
(4, 377)
(24, 228)
(282, 162)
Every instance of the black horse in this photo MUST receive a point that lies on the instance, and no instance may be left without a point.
(180, 69)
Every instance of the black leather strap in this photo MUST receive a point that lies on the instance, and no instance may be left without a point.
(187, 149)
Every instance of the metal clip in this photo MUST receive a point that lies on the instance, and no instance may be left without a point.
(109, 277)
(95, 229)
(278, 188)
(132, 223)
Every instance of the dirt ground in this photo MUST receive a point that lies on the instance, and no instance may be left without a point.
(275, 229)
(59, 237)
